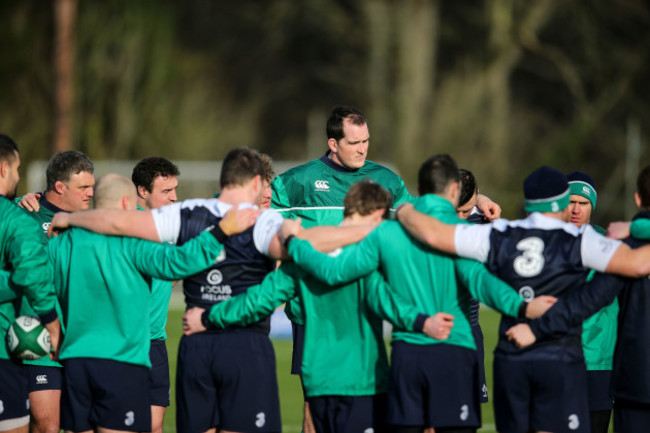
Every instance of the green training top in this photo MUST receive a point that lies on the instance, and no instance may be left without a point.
(23, 256)
(432, 281)
(103, 284)
(344, 352)
(43, 217)
(315, 191)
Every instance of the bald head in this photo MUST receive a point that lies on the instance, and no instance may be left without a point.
(115, 192)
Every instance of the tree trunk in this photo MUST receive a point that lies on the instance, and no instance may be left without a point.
(65, 14)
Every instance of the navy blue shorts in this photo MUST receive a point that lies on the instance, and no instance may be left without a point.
(159, 374)
(480, 356)
(41, 378)
(298, 334)
(227, 379)
(433, 386)
(14, 400)
(105, 393)
(599, 390)
(540, 395)
(349, 414)
(631, 417)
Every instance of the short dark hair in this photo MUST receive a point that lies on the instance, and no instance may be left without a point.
(436, 173)
(8, 148)
(241, 165)
(365, 197)
(469, 187)
(339, 114)
(64, 164)
(148, 169)
(643, 187)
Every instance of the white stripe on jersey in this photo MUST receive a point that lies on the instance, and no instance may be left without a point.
(168, 220)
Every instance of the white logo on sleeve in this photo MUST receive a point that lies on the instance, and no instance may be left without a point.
(46, 226)
(531, 262)
(2, 407)
(261, 420)
(222, 256)
(322, 185)
(369, 430)
(574, 422)
(214, 277)
(464, 412)
(130, 418)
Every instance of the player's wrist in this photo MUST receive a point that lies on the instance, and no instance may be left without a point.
(219, 234)
(288, 240)
(205, 320)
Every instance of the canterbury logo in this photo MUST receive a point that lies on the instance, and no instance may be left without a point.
(322, 185)
(41, 379)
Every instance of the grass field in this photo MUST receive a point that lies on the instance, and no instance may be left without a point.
(290, 393)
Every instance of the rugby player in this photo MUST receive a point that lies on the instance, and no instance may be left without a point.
(156, 182)
(101, 281)
(542, 387)
(599, 330)
(433, 383)
(21, 254)
(70, 180)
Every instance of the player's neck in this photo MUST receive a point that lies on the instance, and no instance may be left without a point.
(143, 203)
(236, 195)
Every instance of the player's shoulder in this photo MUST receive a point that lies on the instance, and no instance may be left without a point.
(373, 167)
(15, 218)
(300, 171)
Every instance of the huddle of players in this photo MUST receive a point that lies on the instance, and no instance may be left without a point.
(352, 395)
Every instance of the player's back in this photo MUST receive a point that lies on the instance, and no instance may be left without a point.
(103, 295)
(538, 256)
(241, 265)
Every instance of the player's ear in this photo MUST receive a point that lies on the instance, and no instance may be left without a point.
(58, 186)
(332, 144)
(4, 168)
(637, 200)
(142, 191)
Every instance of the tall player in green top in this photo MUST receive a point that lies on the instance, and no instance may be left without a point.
(314, 191)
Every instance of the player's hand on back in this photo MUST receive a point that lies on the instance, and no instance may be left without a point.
(618, 230)
(521, 335)
(490, 209)
(439, 326)
(192, 321)
(290, 227)
(540, 305)
(59, 223)
(30, 202)
(237, 220)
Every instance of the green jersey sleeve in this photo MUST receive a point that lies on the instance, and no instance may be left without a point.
(640, 228)
(258, 301)
(7, 291)
(169, 262)
(280, 199)
(487, 288)
(386, 303)
(295, 311)
(352, 263)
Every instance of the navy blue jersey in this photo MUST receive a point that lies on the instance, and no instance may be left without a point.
(537, 256)
(244, 262)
